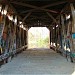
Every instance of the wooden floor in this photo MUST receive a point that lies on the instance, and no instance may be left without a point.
(38, 62)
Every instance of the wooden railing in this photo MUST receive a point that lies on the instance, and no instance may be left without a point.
(7, 55)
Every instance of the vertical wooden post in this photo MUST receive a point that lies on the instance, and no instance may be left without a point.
(58, 36)
(0, 30)
(53, 34)
(27, 37)
(4, 22)
(2, 25)
(20, 38)
(24, 37)
(63, 31)
(73, 30)
(50, 36)
(73, 27)
(73, 17)
(15, 34)
(60, 32)
(55, 38)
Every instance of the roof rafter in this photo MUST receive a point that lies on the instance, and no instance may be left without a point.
(28, 14)
(54, 4)
(45, 6)
(23, 4)
(13, 8)
(34, 7)
(51, 17)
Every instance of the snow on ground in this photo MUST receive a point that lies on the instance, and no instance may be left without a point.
(38, 62)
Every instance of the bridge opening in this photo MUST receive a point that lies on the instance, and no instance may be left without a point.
(38, 37)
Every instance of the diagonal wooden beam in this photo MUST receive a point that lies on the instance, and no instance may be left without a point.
(1, 1)
(54, 4)
(64, 8)
(47, 10)
(34, 7)
(24, 4)
(51, 17)
(26, 16)
(71, 1)
(60, 12)
(31, 10)
(50, 5)
(13, 8)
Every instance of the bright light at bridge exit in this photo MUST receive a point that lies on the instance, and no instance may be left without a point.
(38, 37)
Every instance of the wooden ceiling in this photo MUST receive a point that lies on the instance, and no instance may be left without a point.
(38, 13)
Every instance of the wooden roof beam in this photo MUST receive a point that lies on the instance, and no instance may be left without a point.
(24, 4)
(34, 7)
(28, 14)
(60, 13)
(51, 17)
(13, 8)
(50, 5)
(30, 10)
(54, 4)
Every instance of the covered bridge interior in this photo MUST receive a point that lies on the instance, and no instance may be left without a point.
(17, 16)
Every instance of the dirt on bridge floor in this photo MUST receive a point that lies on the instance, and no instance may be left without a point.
(38, 62)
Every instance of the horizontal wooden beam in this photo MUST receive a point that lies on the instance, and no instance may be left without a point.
(54, 4)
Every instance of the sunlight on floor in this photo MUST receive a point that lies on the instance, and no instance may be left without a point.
(73, 73)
